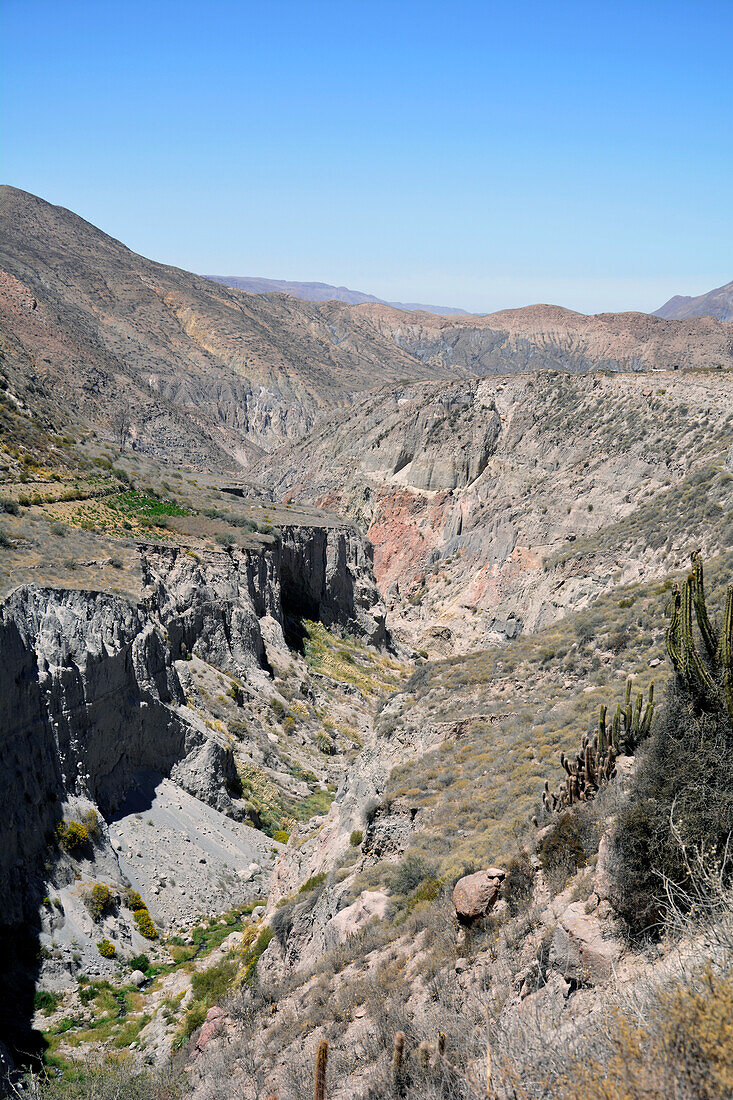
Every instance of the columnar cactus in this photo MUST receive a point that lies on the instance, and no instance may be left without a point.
(321, 1064)
(595, 764)
(708, 675)
(398, 1074)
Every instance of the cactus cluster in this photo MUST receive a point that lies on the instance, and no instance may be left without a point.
(706, 672)
(427, 1055)
(595, 763)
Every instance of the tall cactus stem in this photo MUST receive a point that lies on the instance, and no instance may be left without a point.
(321, 1065)
(726, 652)
(692, 663)
(703, 621)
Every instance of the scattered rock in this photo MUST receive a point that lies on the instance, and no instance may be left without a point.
(474, 895)
(369, 905)
(211, 1027)
(579, 949)
(258, 912)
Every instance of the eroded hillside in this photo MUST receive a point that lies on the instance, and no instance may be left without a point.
(210, 376)
(497, 506)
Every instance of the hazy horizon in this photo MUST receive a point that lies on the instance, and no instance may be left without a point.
(474, 157)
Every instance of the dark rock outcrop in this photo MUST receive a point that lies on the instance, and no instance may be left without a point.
(213, 603)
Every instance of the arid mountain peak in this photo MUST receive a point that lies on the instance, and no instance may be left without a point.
(716, 303)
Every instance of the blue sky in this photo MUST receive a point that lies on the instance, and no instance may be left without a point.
(476, 154)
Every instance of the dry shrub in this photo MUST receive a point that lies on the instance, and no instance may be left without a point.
(682, 1047)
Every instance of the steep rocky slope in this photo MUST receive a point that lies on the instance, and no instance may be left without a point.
(210, 373)
(115, 709)
(210, 376)
(496, 506)
(716, 303)
(547, 337)
(368, 946)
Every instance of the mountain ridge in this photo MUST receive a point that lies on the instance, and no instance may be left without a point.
(322, 292)
(715, 303)
(211, 378)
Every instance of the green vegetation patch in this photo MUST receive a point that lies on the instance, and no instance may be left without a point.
(349, 662)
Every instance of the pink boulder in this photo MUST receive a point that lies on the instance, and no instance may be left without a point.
(211, 1027)
(474, 895)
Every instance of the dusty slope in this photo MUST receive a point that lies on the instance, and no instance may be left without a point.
(212, 376)
(201, 367)
(496, 506)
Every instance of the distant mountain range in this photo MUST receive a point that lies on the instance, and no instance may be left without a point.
(716, 303)
(321, 292)
(213, 377)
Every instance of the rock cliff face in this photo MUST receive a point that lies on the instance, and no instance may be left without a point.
(498, 505)
(95, 709)
(223, 605)
(91, 697)
(91, 694)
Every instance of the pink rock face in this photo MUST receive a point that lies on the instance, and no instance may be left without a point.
(474, 895)
(210, 1028)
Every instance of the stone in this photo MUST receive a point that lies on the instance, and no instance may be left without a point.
(474, 895)
(138, 978)
(258, 912)
(579, 951)
(211, 1027)
(370, 905)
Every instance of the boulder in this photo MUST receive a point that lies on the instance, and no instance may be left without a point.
(138, 978)
(474, 895)
(580, 951)
(258, 912)
(211, 1027)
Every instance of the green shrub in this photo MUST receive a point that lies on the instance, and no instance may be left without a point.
(684, 776)
(139, 962)
(313, 882)
(46, 1001)
(428, 890)
(258, 948)
(145, 924)
(410, 873)
(99, 900)
(211, 985)
(72, 835)
(356, 838)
